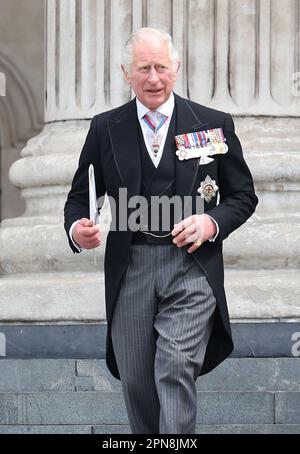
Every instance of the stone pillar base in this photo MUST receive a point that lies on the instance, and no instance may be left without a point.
(52, 297)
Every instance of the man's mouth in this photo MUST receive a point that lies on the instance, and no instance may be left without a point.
(154, 91)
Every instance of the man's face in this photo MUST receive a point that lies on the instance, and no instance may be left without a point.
(151, 74)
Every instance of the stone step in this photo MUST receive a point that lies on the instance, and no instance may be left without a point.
(216, 429)
(124, 429)
(234, 374)
(242, 395)
(17, 375)
(97, 408)
(268, 339)
(47, 429)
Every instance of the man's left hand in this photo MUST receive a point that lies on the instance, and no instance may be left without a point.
(195, 229)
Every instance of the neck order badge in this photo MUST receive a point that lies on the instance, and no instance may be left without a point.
(155, 128)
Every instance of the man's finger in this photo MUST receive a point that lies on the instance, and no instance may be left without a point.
(194, 246)
(192, 238)
(85, 222)
(92, 239)
(182, 236)
(89, 231)
(182, 225)
(93, 246)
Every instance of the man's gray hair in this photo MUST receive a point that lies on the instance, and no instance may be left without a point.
(147, 34)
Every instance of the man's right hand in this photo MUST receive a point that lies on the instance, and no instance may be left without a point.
(87, 235)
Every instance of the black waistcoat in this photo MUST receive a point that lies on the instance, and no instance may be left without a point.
(159, 182)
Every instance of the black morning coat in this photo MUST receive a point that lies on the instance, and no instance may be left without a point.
(112, 146)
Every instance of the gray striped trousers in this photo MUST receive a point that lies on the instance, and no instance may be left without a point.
(160, 330)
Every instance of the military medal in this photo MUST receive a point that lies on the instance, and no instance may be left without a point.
(208, 189)
(201, 144)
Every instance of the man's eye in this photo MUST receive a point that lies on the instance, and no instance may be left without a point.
(143, 68)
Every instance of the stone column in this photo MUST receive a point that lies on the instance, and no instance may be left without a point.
(41, 279)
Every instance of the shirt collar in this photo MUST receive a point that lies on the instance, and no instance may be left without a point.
(165, 109)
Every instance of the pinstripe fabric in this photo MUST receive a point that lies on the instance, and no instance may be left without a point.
(160, 331)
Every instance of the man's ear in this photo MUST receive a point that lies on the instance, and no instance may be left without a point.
(126, 74)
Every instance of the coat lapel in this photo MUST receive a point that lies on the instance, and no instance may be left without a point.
(186, 171)
(123, 133)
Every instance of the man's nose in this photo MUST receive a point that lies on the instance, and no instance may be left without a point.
(153, 76)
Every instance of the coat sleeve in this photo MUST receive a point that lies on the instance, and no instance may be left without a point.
(237, 196)
(77, 204)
